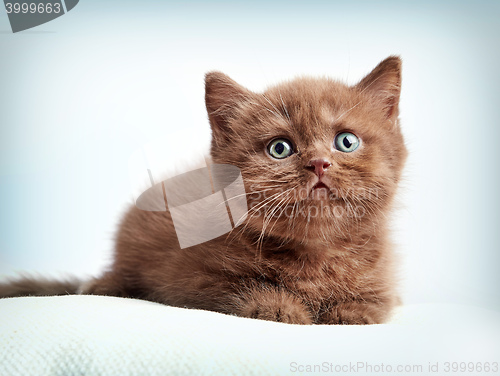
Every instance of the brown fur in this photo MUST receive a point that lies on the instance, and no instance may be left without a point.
(39, 286)
(298, 268)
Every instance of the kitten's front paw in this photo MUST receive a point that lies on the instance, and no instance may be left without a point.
(355, 318)
(289, 314)
(277, 306)
(354, 314)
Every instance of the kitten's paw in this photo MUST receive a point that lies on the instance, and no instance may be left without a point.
(272, 305)
(289, 314)
(355, 318)
(354, 314)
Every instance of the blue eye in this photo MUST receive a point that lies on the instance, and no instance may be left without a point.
(280, 148)
(346, 142)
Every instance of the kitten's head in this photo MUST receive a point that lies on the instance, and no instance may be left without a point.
(318, 158)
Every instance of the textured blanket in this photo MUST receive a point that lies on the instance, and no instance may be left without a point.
(95, 335)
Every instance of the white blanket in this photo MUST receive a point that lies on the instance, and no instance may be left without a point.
(95, 335)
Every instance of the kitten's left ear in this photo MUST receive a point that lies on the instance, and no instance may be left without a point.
(222, 97)
(384, 84)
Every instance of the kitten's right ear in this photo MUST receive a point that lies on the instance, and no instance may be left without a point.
(222, 98)
(384, 83)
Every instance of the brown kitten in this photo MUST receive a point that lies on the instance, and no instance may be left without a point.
(321, 162)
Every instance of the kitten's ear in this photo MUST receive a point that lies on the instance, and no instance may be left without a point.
(222, 98)
(384, 84)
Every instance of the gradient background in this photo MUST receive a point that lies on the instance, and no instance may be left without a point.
(79, 94)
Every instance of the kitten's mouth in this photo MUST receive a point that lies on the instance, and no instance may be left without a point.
(320, 185)
(320, 191)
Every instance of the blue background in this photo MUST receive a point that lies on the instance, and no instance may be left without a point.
(79, 94)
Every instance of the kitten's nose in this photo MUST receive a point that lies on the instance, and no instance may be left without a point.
(318, 166)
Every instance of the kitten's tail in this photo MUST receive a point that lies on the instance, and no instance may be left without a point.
(29, 286)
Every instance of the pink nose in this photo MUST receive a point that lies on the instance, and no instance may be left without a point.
(318, 166)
